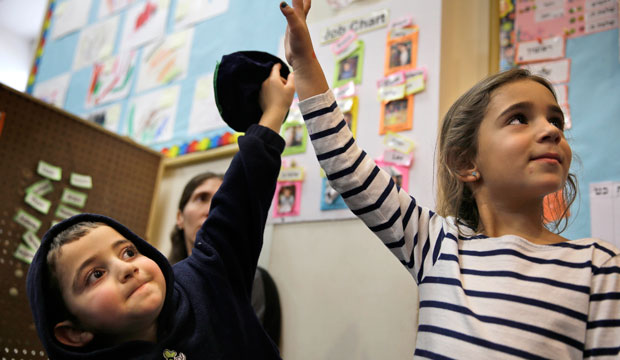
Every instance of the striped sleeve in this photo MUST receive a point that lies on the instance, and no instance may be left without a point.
(369, 191)
(603, 328)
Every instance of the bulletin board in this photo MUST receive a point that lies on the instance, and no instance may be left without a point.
(123, 178)
(259, 25)
(143, 68)
(589, 94)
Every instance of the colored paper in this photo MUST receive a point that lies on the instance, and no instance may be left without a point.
(26, 220)
(41, 188)
(81, 181)
(49, 171)
(37, 202)
(73, 198)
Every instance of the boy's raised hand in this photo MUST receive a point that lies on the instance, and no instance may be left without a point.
(300, 52)
(275, 98)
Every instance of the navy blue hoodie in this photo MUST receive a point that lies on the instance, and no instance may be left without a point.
(207, 312)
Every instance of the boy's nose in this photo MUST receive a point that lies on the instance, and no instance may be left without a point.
(127, 271)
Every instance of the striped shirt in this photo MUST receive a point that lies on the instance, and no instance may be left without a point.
(480, 297)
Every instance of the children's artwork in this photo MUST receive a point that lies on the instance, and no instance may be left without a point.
(396, 115)
(399, 173)
(165, 61)
(288, 195)
(108, 117)
(54, 90)
(111, 79)
(96, 42)
(401, 49)
(349, 67)
(151, 116)
(144, 21)
(108, 7)
(348, 106)
(205, 115)
(70, 16)
(190, 12)
(330, 198)
(540, 50)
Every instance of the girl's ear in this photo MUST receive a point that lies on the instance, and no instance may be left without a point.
(179, 220)
(67, 333)
(469, 175)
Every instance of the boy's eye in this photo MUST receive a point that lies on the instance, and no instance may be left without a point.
(517, 119)
(129, 253)
(94, 276)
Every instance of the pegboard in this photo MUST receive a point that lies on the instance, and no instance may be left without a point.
(124, 179)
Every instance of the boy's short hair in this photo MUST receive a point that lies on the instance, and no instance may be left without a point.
(70, 234)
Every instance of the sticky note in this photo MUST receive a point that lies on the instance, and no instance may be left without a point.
(73, 197)
(31, 239)
(41, 188)
(65, 212)
(37, 202)
(26, 220)
(81, 181)
(24, 253)
(49, 171)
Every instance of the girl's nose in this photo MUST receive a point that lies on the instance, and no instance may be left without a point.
(550, 132)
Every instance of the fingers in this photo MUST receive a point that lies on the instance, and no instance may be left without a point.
(307, 6)
(275, 71)
(290, 82)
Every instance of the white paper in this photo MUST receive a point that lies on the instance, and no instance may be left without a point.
(70, 16)
(108, 7)
(548, 10)
(205, 115)
(546, 49)
(151, 116)
(108, 117)
(561, 91)
(96, 42)
(111, 79)
(557, 71)
(602, 196)
(144, 21)
(54, 90)
(190, 12)
(165, 61)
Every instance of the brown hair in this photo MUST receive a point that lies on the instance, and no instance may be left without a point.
(178, 251)
(70, 234)
(458, 144)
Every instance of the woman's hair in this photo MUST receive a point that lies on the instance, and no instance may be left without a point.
(178, 251)
(458, 145)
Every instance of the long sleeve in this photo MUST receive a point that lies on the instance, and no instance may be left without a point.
(232, 235)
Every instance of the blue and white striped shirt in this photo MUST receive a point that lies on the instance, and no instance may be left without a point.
(480, 297)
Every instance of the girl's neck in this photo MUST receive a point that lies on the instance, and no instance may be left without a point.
(521, 219)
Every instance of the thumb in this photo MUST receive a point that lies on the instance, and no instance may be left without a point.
(290, 82)
(275, 71)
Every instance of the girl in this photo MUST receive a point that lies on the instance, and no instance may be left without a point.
(494, 281)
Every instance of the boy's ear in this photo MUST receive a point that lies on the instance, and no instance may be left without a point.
(67, 333)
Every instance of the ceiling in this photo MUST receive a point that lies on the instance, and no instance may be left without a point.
(22, 17)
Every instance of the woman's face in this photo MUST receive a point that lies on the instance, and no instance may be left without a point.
(196, 210)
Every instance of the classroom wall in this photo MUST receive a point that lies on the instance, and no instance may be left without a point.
(343, 295)
(15, 59)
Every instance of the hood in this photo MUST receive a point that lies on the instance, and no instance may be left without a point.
(46, 311)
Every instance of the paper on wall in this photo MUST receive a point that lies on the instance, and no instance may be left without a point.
(70, 16)
(144, 21)
(190, 12)
(111, 79)
(96, 42)
(54, 90)
(151, 116)
(205, 115)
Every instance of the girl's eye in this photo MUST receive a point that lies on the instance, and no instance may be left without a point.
(557, 122)
(94, 276)
(129, 253)
(517, 119)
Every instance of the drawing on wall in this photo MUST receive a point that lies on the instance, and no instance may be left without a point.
(96, 42)
(151, 116)
(69, 17)
(109, 7)
(144, 21)
(54, 90)
(111, 79)
(109, 117)
(190, 12)
(204, 115)
(165, 61)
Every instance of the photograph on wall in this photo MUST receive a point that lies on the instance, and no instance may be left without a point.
(401, 50)
(287, 199)
(396, 115)
(348, 106)
(330, 198)
(349, 66)
(399, 173)
(295, 136)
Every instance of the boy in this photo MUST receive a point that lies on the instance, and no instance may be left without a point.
(98, 291)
